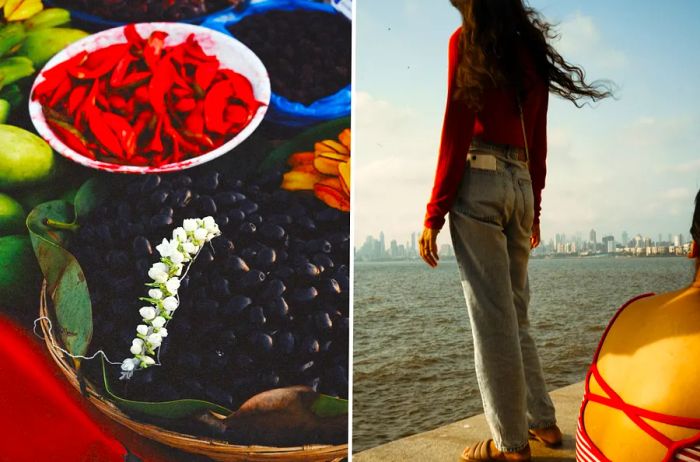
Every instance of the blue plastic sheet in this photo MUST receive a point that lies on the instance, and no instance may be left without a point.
(283, 111)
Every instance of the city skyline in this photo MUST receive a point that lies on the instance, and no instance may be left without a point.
(376, 248)
(625, 162)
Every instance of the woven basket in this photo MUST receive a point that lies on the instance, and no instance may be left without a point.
(214, 449)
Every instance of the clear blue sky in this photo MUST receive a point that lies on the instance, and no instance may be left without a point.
(627, 165)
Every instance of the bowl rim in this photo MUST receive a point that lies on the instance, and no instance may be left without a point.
(39, 121)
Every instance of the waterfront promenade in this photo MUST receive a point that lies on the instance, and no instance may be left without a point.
(445, 444)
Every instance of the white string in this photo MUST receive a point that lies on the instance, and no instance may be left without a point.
(53, 344)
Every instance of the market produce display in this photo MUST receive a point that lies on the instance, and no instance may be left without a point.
(326, 171)
(265, 306)
(149, 10)
(307, 53)
(140, 102)
(261, 332)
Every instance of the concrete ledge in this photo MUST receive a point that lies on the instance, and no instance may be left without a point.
(446, 443)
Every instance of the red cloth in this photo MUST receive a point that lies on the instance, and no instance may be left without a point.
(497, 122)
(42, 418)
(40, 421)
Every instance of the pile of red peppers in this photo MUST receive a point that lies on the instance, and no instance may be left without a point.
(143, 103)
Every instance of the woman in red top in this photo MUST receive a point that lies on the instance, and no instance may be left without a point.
(490, 175)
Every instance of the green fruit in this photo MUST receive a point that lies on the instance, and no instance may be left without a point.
(20, 276)
(12, 216)
(49, 17)
(4, 110)
(25, 159)
(41, 45)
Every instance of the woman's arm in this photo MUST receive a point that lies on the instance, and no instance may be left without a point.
(538, 157)
(457, 130)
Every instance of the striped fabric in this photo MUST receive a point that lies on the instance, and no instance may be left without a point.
(689, 454)
(584, 447)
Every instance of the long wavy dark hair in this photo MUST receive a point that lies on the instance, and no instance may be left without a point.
(492, 31)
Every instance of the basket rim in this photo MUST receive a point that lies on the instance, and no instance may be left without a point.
(189, 443)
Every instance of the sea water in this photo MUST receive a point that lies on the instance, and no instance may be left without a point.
(413, 355)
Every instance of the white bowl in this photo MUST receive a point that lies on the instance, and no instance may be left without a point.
(231, 53)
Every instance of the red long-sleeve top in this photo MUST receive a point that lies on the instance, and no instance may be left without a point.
(497, 122)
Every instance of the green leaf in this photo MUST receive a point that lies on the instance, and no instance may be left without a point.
(90, 195)
(65, 279)
(304, 142)
(165, 409)
(328, 406)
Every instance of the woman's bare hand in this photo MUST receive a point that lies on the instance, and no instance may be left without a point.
(427, 246)
(535, 238)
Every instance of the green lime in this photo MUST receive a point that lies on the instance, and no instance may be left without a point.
(12, 216)
(20, 276)
(25, 159)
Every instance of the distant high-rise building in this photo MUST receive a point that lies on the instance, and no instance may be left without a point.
(678, 240)
(592, 237)
(609, 244)
(394, 246)
(413, 242)
(625, 239)
(382, 246)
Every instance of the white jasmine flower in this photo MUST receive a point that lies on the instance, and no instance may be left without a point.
(170, 304)
(172, 285)
(142, 329)
(163, 332)
(210, 224)
(137, 346)
(177, 258)
(165, 248)
(154, 339)
(155, 293)
(190, 224)
(147, 361)
(158, 272)
(129, 364)
(200, 234)
(158, 322)
(190, 248)
(148, 313)
(179, 234)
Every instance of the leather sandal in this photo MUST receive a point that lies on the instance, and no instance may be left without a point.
(550, 436)
(485, 451)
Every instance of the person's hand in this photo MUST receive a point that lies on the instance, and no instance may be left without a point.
(535, 238)
(428, 246)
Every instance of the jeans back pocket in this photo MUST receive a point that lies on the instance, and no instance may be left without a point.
(482, 195)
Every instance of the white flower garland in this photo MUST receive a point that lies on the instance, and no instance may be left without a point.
(162, 298)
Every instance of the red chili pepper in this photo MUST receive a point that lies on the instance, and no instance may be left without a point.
(242, 89)
(100, 62)
(76, 99)
(214, 103)
(124, 131)
(237, 116)
(160, 84)
(120, 69)
(117, 102)
(154, 47)
(70, 136)
(102, 132)
(60, 92)
(156, 143)
(134, 79)
(57, 74)
(133, 37)
(185, 105)
(194, 122)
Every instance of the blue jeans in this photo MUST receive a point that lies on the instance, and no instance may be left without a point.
(490, 224)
